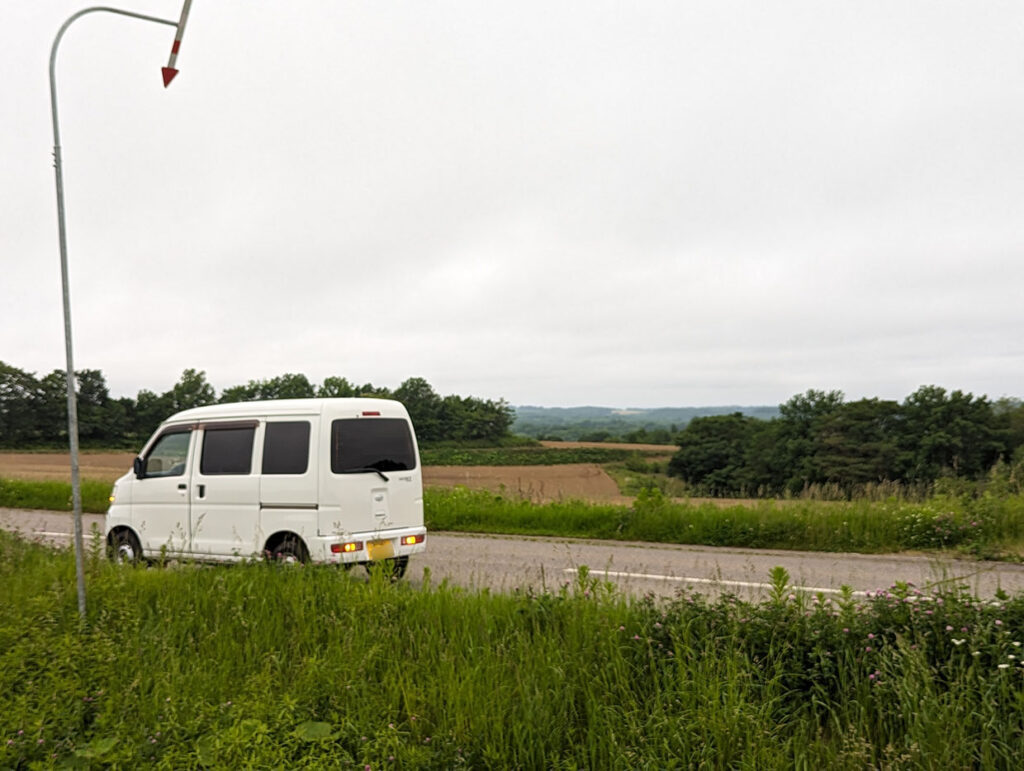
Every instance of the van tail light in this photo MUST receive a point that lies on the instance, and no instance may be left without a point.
(411, 540)
(371, 413)
(346, 548)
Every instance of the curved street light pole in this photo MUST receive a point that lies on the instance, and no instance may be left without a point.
(76, 488)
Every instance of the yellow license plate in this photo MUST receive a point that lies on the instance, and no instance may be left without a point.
(380, 550)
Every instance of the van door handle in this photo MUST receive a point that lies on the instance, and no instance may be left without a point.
(182, 487)
(202, 490)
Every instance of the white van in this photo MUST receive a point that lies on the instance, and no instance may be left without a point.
(326, 480)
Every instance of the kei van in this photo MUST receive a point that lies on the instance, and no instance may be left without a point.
(324, 480)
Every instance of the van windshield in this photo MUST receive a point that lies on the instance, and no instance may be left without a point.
(371, 444)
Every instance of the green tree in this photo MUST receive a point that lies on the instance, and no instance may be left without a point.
(660, 436)
(467, 418)
(766, 458)
(116, 431)
(191, 390)
(424, 406)
(19, 401)
(948, 433)
(92, 402)
(370, 391)
(240, 393)
(858, 443)
(801, 420)
(1009, 415)
(712, 454)
(150, 411)
(336, 386)
(637, 436)
(287, 386)
(52, 409)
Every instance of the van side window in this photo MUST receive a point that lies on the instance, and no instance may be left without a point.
(168, 456)
(286, 448)
(227, 450)
(371, 444)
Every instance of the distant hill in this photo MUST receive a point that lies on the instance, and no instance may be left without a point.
(598, 423)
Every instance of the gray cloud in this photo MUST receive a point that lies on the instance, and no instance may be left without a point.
(557, 203)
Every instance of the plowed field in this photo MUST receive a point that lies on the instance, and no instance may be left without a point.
(582, 481)
(540, 484)
(101, 466)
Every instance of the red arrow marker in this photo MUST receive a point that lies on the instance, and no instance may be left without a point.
(169, 71)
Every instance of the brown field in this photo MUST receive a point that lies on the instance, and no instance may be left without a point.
(668, 449)
(540, 484)
(586, 481)
(101, 466)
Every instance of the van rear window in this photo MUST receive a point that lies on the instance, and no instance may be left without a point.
(371, 444)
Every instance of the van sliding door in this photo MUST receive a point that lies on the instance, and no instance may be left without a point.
(287, 473)
(225, 492)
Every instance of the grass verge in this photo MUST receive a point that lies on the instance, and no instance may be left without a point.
(54, 496)
(260, 666)
(985, 527)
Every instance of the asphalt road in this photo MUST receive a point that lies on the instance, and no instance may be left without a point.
(502, 563)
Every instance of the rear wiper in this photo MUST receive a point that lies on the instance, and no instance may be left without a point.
(365, 469)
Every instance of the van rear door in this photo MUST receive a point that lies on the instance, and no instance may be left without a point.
(375, 482)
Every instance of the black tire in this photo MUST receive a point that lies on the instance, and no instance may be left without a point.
(289, 551)
(124, 548)
(393, 568)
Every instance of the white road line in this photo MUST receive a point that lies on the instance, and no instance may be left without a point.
(712, 581)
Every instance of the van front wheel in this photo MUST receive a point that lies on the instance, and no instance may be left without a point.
(124, 548)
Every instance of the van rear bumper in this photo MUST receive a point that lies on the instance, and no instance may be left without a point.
(367, 546)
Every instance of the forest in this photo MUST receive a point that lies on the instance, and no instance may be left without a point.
(33, 411)
(820, 438)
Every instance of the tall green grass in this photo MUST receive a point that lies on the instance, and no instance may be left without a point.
(258, 666)
(54, 496)
(988, 526)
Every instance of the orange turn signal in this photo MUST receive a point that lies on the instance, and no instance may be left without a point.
(347, 548)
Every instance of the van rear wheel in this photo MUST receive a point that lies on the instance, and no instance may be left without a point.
(289, 551)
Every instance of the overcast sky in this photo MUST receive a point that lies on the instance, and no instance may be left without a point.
(558, 203)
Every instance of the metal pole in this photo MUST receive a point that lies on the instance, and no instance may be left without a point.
(76, 487)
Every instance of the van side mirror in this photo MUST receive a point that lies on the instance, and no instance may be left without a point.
(139, 467)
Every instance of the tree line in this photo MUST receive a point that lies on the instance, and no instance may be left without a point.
(33, 411)
(821, 439)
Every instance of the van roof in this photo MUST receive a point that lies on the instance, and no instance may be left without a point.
(339, 405)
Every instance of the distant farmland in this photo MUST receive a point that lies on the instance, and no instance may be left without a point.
(571, 423)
